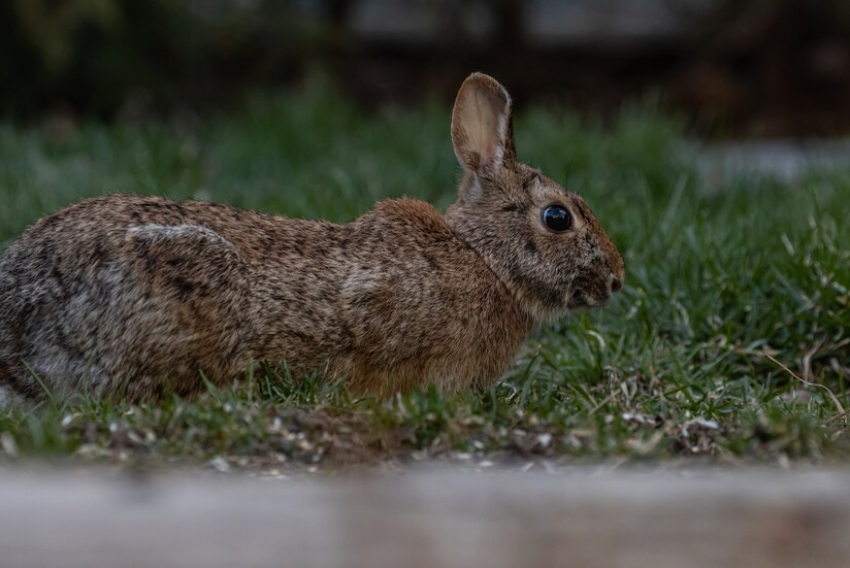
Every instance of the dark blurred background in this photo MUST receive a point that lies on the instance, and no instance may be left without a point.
(732, 68)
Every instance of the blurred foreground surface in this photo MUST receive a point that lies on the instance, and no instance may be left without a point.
(431, 519)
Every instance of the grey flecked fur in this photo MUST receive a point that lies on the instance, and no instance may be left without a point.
(134, 296)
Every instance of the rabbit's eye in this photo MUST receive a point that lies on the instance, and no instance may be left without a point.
(557, 218)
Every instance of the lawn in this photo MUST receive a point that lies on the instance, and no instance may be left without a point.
(729, 343)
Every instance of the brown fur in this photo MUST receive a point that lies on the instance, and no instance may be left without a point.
(134, 295)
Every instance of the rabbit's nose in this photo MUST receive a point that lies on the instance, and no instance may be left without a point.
(616, 283)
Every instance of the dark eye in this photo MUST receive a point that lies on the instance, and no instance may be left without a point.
(557, 218)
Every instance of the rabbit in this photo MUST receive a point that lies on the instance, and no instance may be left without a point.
(140, 297)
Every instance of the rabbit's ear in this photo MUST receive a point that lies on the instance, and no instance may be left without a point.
(481, 125)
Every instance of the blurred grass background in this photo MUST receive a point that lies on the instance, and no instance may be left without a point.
(732, 67)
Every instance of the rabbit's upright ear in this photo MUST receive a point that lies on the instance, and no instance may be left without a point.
(481, 125)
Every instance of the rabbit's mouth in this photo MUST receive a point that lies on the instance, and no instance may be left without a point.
(579, 300)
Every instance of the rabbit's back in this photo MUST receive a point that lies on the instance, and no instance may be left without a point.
(135, 295)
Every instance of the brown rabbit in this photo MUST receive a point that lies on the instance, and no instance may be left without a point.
(136, 296)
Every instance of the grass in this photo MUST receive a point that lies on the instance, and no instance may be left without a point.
(729, 343)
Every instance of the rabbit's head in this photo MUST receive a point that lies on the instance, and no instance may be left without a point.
(540, 240)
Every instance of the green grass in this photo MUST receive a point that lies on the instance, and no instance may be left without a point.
(729, 343)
